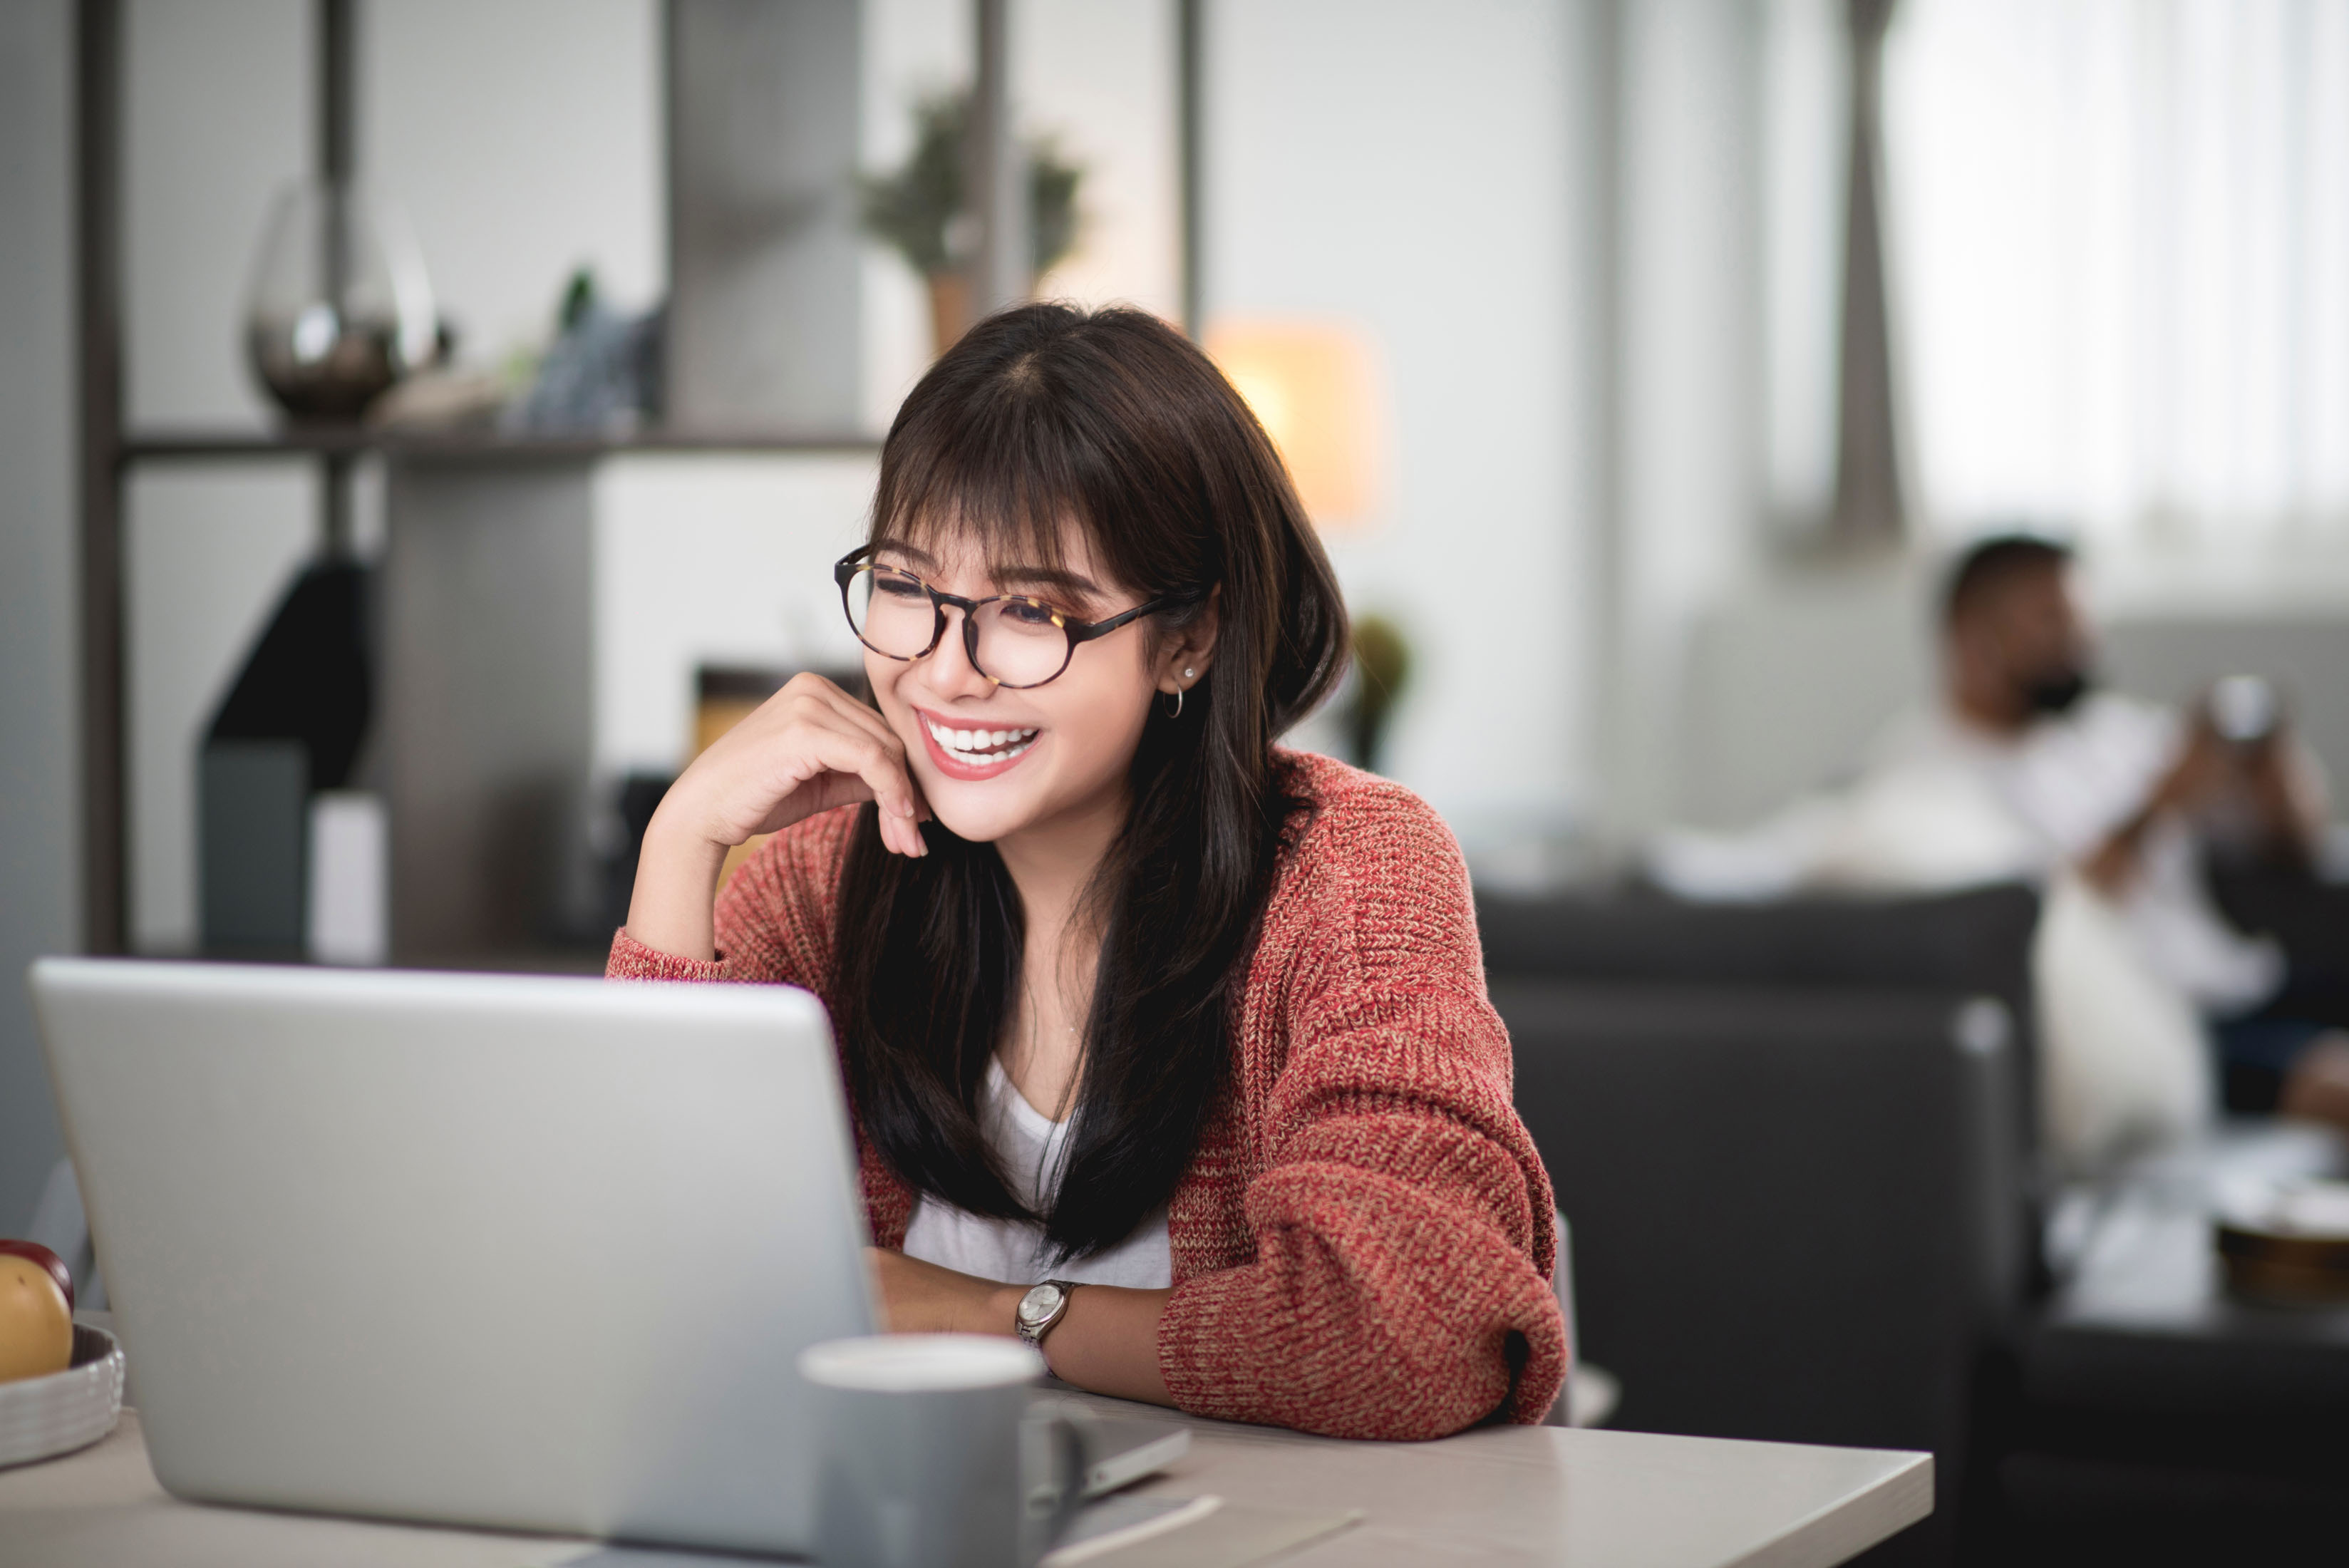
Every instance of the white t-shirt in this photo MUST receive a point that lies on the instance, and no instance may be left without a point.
(1031, 1147)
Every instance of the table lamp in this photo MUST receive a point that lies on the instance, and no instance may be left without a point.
(1315, 386)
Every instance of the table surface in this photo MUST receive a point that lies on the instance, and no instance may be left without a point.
(1498, 1495)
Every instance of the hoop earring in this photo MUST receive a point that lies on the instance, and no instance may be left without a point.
(1176, 711)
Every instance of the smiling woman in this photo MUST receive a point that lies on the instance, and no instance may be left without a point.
(1169, 1049)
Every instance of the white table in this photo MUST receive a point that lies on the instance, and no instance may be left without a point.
(1501, 1495)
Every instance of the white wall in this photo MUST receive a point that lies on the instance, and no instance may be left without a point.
(711, 560)
(1690, 379)
(912, 49)
(1788, 679)
(39, 837)
(1100, 78)
(215, 121)
(523, 138)
(1405, 167)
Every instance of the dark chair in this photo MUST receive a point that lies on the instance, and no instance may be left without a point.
(1791, 1141)
(1976, 942)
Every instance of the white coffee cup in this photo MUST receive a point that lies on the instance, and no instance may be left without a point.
(931, 1456)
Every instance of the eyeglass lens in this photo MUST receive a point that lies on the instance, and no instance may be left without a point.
(1019, 644)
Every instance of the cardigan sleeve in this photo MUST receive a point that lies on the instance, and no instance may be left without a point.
(1402, 1221)
(773, 919)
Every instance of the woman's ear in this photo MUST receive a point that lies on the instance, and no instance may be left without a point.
(1188, 652)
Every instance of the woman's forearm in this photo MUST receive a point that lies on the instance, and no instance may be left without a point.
(1108, 1341)
(670, 908)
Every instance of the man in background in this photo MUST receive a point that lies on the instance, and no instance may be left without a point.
(2021, 770)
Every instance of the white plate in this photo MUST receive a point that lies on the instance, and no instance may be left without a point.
(41, 1416)
(2304, 1208)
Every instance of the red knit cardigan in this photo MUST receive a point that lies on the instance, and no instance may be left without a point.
(1362, 1244)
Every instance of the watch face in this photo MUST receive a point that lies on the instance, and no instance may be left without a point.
(1039, 1303)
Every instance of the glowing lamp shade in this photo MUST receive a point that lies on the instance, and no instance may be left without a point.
(1314, 386)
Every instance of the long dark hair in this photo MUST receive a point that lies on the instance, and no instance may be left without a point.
(1042, 418)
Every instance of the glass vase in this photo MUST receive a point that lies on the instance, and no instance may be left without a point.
(340, 308)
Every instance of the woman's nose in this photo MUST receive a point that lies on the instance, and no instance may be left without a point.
(951, 672)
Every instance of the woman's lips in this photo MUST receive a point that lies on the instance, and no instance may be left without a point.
(972, 752)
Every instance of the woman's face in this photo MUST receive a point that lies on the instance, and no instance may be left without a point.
(995, 761)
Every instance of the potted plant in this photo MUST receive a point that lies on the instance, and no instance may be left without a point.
(1381, 670)
(920, 213)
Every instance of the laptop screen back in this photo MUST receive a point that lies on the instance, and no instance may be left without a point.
(529, 1252)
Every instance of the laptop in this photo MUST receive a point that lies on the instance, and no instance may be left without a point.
(527, 1252)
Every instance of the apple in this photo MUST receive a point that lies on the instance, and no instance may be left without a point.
(47, 1259)
(36, 1324)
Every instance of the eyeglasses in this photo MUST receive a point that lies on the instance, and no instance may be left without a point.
(1012, 639)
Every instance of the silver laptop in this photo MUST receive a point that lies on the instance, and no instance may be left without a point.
(525, 1252)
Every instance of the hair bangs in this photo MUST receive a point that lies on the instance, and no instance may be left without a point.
(1016, 513)
(1035, 450)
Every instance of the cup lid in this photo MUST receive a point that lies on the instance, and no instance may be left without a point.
(919, 1363)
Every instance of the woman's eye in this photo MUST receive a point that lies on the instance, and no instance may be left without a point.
(1021, 612)
(895, 586)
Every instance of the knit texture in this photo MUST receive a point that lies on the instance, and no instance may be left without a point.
(1362, 1242)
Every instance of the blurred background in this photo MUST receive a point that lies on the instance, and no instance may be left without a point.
(422, 422)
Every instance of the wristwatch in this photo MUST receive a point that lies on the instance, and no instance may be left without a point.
(1042, 1307)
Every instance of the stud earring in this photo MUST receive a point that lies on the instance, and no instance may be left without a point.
(1190, 675)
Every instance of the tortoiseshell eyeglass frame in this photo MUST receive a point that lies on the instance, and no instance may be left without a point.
(844, 570)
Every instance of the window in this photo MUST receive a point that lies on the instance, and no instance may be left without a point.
(2120, 265)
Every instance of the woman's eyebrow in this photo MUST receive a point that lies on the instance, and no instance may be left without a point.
(1031, 576)
(913, 553)
(1050, 577)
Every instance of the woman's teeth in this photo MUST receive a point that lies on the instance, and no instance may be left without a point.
(980, 746)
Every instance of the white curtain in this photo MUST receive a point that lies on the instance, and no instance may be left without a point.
(2120, 266)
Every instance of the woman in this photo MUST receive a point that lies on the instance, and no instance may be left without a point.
(1127, 999)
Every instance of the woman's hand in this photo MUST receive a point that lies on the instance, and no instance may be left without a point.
(808, 748)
